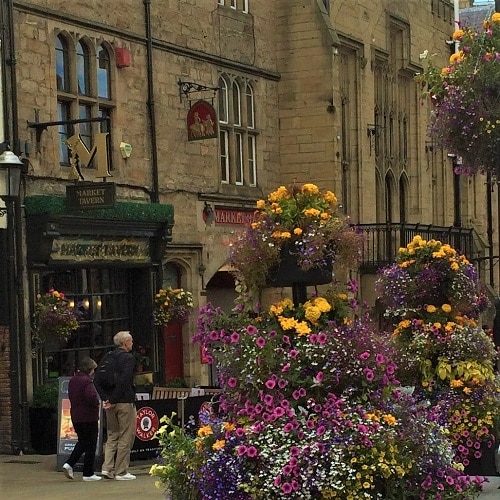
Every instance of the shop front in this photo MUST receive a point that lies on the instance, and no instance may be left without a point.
(107, 263)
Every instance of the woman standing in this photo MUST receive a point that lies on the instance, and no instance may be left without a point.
(85, 417)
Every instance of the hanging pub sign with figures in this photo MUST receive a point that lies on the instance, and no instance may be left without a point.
(201, 121)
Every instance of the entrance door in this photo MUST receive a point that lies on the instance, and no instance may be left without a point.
(172, 339)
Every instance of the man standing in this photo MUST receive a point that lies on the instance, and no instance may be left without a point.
(119, 403)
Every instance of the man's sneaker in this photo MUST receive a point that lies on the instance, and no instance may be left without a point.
(107, 475)
(92, 478)
(68, 471)
(125, 477)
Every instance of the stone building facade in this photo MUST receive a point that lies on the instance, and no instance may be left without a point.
(303, 90)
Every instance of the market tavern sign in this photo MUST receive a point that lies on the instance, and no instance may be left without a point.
(133, 250)
(233, 217)
(87, 195)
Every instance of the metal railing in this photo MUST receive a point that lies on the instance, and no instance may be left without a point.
(381, 242)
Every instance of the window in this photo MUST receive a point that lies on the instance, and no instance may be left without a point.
(238, 135)
(83, 73)
(235, 4)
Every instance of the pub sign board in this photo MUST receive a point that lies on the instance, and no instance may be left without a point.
(201, 121)
(88, 195)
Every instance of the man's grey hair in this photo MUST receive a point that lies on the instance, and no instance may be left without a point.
(121, 337)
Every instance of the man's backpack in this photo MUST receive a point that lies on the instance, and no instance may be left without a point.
(105, 376)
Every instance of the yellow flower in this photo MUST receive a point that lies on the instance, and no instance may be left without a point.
(312, 314)
(302, 328)
(297, 231)
(310, 189)
(454, 266)
(311, 212)
(458, 34)
(456, 383)
(218, 445)
(446, 308)
(204, 431)
(331, 198)
(228, 426)
(431, 309)
(389, 419)
(495, 18)
(322, 304)
(405, 323)
(287, 323)
(261, 204)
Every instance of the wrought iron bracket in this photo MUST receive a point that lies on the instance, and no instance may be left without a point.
(3, 211)
(186, 88)
(41, 126)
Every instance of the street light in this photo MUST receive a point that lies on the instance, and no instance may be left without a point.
(10, 181)
(10, 175)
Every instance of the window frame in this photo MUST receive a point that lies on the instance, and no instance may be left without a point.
(82, 62)
(238, 135)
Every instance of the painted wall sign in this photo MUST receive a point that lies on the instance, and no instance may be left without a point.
(83, 196)
(134, 250)
(233, 217)
(201, 121)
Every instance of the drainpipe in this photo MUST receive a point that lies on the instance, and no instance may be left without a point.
(17, 326)
(151, 103)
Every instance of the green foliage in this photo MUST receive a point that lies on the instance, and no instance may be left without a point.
(46, 395)
(155, 212)
(179, 461)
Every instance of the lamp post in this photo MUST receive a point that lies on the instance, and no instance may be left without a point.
(10, 181)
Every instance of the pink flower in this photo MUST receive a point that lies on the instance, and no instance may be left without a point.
(251, 330)
(232, 382)
(270, 384)
(235, 337)
(252, 451)
(260, 342)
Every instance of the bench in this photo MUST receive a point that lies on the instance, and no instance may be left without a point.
(170, 392)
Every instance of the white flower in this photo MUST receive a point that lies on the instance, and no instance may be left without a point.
(424, 54)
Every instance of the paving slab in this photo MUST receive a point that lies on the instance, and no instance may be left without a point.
(30, 477)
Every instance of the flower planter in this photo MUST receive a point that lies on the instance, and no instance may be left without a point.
(287, 272)
(43, 429)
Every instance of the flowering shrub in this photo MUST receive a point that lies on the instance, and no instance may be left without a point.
(172, 304)
(55, 317)
(305, 221)
(466, 96)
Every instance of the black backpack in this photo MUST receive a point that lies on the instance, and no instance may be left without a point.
(105, 376)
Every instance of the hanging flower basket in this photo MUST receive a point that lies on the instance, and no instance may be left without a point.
(55, 317)
(172, 304)
(466, 98)
(299, 224)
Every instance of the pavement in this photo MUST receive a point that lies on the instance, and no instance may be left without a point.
(30, 477)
